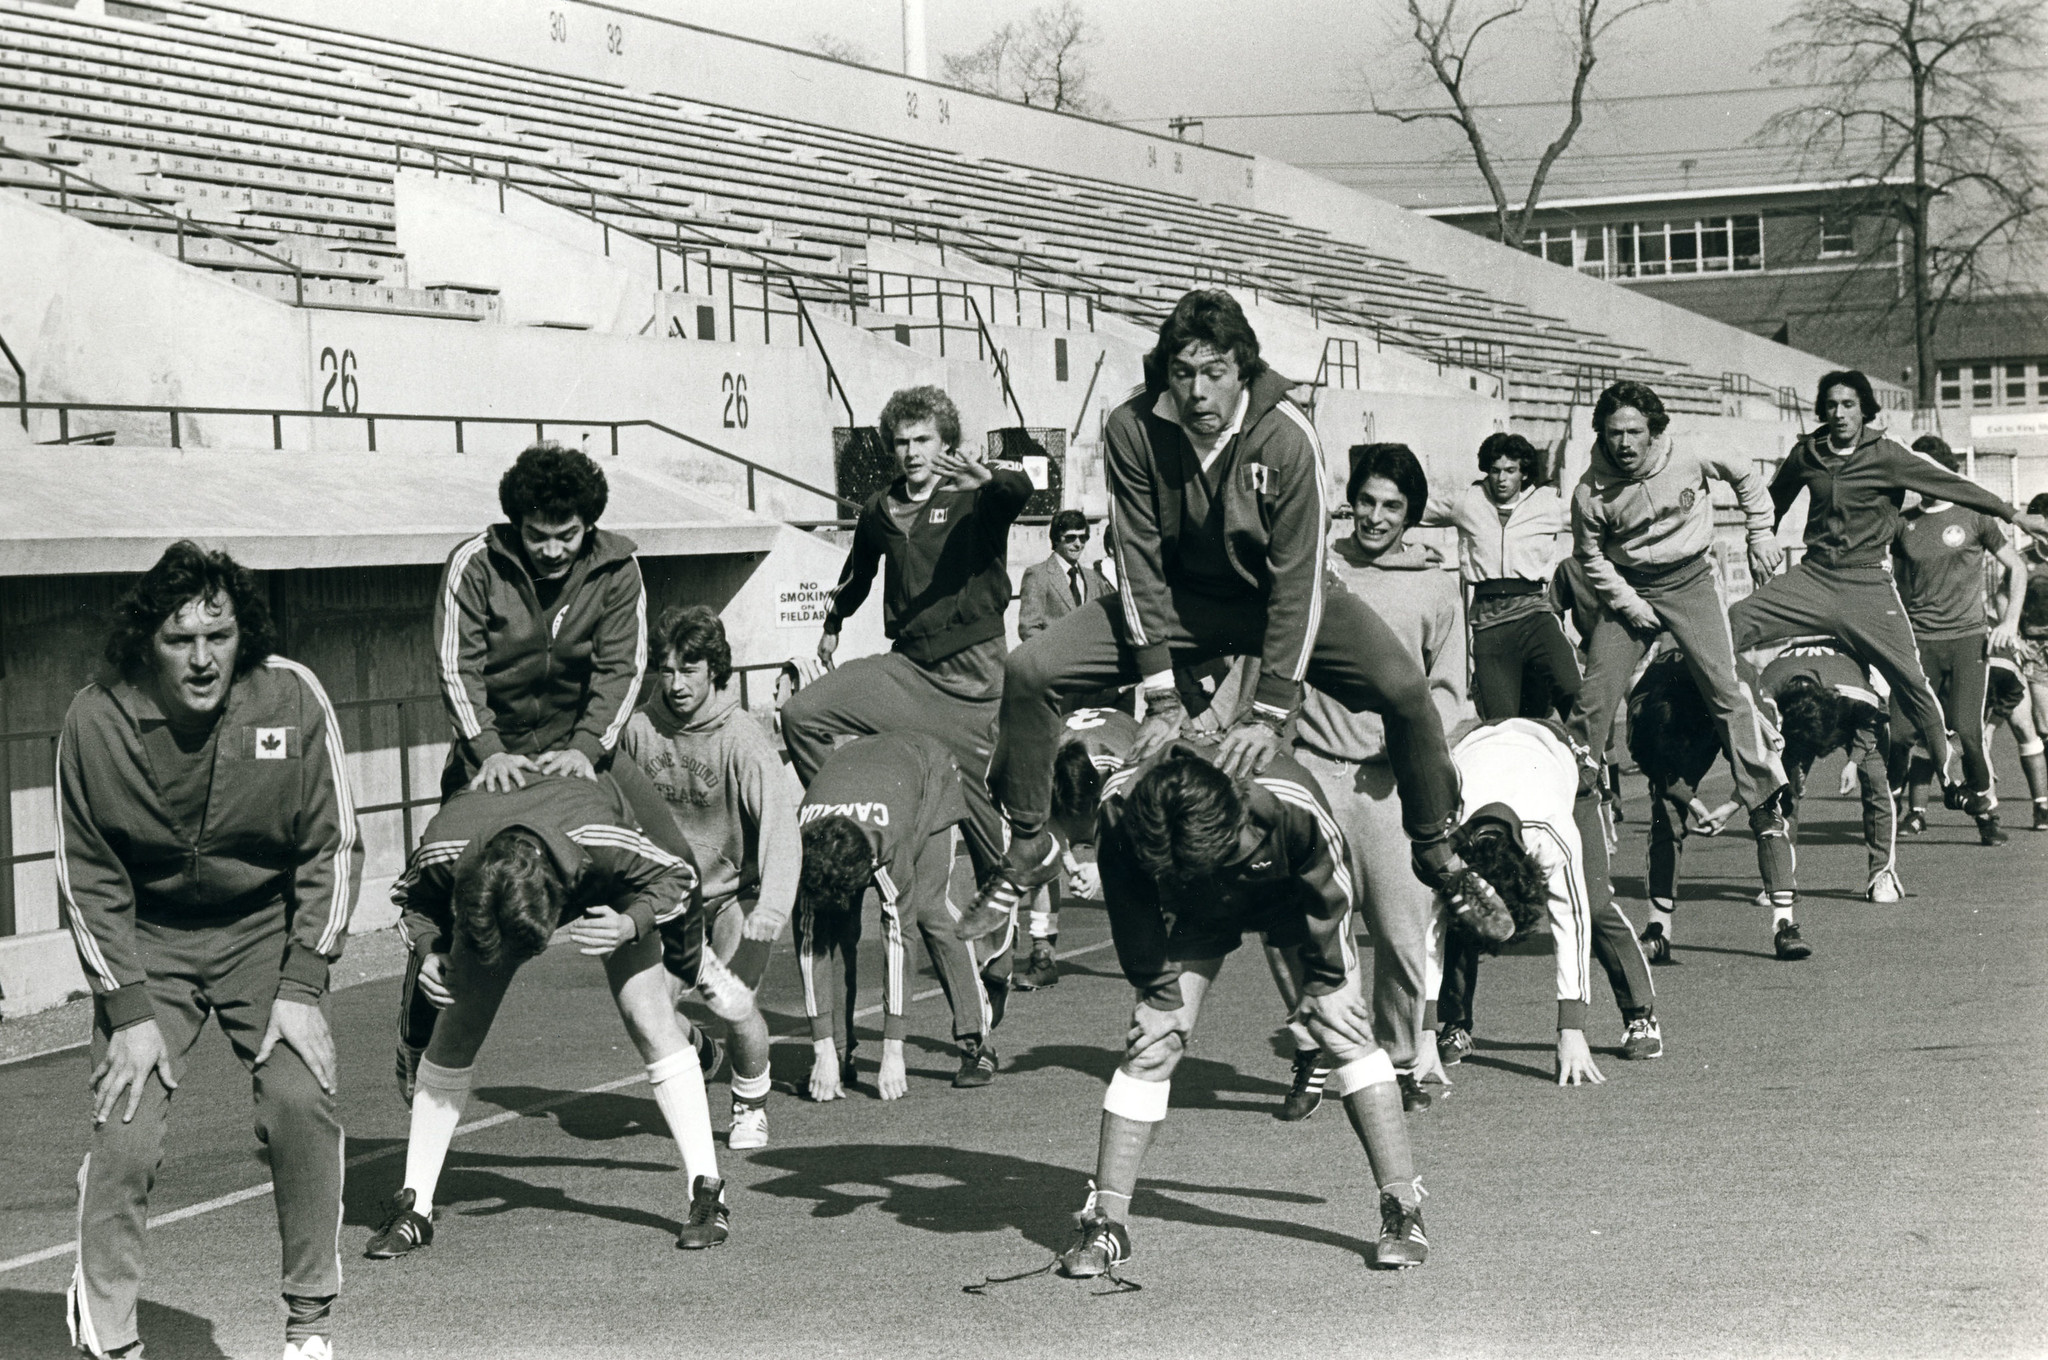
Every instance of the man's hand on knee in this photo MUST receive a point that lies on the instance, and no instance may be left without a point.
(1164, 718)
(301, 1025)
(1156, 1038)
(131, 1054)
(1340, 1018)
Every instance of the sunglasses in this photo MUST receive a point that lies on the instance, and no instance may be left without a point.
(1073, 538)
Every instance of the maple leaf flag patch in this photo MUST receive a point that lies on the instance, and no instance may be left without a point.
(273, 743)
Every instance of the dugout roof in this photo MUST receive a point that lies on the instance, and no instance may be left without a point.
(89, 509)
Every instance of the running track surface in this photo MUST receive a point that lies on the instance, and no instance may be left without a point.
(1840, 1157)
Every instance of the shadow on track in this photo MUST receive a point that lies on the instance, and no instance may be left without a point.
(1198, 1083)
(33, 1325)
(472, 1187)
(951, 1190)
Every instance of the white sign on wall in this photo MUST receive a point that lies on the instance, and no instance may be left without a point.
(2019, 424)
(801, 604)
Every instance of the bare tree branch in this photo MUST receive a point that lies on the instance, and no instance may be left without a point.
(1042, 62)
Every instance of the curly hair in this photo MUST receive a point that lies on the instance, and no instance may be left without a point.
(911, 404)
(1629, 393)
(553, 482)
(1852, 379)
(838, 866)
(1503, 444)
(1076, 783)
(1211, 316)
(509, 901)
(1813, 718)
(689, 633)
(187, 572)
(1182, 819)
(1671, 734)
(1395, 463)
(1489, 850)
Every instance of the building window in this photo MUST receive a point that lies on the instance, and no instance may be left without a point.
(1980, 384)
(2015, 384)
(1714, 251)
(1837, 235)
(2041, 381)
(1951, 394)
(1709, 245)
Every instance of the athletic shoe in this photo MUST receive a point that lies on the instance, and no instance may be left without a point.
(1476, 909)
(710, 1221)
(1656, 944)
(1100, 1246)
(1955, 797)
(2041, 815)
(1032, 862)
(749, 1127)
(312, 1348)
(1645, 1039)
(977, 1064)
(403, 1230)
(1310, 1072)
(1043, 970)
(1989, 831)
(1453, 1045)
(1913, 823)
(1413, 1097)
(1788, 944)
(1885, 886)
(408, 1070)
(1402, 1244)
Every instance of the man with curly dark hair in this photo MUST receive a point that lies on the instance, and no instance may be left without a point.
(207, 863)
(883, 816)
(1191, 860)
(494, 877)
(1671, 738)
(1531, 831)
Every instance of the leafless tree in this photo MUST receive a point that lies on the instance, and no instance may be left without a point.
(1042, 61)
(1917, 109)
(1447, 32)
(841, 49)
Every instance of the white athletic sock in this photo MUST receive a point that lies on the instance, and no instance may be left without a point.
(1781, 908)
(438, 1097)
(678, 1082)
(1661, 916)
(1304, 1042)
(753, 1090)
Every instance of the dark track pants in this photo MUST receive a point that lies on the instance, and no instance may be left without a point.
(230, 970)
(1614, 940)
(1959, 669)
(1860, 606)
(1670, 824)
(1689, 604)
(826, 945)
(892, 693)
(1356, 660)
(1524, 668)
(1777, 857)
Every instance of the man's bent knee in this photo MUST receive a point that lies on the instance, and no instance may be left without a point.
(1155, 1063)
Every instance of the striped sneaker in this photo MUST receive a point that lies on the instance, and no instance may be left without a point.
(403, 1230)
(1311, 1070)
(1100, 1246)
(1403, 1244)
(1032, 862)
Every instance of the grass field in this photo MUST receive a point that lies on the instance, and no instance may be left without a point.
(1837, 1157)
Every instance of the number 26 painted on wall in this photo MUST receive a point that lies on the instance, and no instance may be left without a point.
(734, 385)
(341, 372)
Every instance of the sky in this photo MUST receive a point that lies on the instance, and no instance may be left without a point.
(1659, 91)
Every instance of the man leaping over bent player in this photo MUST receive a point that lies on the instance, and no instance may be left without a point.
(1192, 859)
(1220, 503)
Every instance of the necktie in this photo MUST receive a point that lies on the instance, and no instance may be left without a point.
(1074, 576)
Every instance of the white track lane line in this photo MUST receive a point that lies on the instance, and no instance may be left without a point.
(474, 1126)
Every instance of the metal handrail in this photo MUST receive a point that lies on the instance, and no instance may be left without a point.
(20, 379)
(298, 274)
(1002, 368)
(278, 416)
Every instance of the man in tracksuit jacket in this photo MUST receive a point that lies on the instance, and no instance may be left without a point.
(207, 861)
(1642, 530)
(1856, 481)
(1511, 535)
(1220, 502)
(940, 535)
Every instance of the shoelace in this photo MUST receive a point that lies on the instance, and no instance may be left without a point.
(705, 1210)
(1098, 1233)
